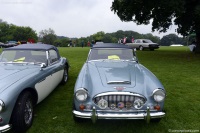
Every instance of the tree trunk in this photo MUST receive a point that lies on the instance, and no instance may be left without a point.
(197, 49)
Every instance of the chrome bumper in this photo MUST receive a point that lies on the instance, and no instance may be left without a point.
(94, 115)
(5, 128)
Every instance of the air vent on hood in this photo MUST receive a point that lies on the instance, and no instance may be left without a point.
(118, 82)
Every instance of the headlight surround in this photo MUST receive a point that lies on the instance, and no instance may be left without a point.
(81, 94)
(2, 106)
(159, 95)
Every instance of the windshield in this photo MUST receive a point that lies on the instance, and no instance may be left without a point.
(112, 54)
(23, 56)
(147, 41)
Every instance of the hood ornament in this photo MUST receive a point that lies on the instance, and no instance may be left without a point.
(119, 88)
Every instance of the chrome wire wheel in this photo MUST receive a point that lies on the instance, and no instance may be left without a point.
(65, 74)
(22, 116)
(28, 112)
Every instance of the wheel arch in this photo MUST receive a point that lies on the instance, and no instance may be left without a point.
(33, 93)
(34, 97)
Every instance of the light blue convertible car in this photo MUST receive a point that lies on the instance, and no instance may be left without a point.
(28, 74)
(113, 85)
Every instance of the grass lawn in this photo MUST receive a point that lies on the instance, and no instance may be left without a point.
(176, 67)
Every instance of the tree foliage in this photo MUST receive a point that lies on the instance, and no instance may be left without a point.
(48, 36)
(98, 35)
(61, 42)
(172, 39)
(5, 32)
(163, 13)
(12, 32)
(24, 33)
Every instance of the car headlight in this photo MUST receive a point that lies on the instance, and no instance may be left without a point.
(2, 105)
(158, 95)
(81, 94)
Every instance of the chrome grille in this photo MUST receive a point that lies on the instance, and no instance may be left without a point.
(116, 98)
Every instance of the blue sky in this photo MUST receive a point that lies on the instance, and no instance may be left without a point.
(71, 18)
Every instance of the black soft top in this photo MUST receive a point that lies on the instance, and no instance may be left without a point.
(33, 46)
(110, 45)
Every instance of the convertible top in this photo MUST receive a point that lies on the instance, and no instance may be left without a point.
(32, 47)
(110, 45)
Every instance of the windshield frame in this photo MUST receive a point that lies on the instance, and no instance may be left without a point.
(33, 54)
(107, 59)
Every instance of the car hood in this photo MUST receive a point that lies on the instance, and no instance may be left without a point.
(13, 73)
(116, 73)
(106, 76)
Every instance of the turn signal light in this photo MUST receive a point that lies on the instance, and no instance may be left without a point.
(157, 107)
(82, 107)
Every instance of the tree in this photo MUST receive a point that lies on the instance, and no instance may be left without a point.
(24, 33)
(108, 38)
(48, 36)
(155, 39)
(16, 33)
(5, 32)
(171, 39)
(163, 13)
(98, 36)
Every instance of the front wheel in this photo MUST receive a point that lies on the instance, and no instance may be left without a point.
(65, 74)
(22, 116)
(141, 48)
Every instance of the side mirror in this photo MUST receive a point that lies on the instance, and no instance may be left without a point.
(43, 65)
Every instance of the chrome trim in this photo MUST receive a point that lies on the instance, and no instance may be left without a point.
(120, 93)
(121, 111)
(147, 115)
(2, 104)
(118, 82)
(5, 128)
(83, 89)
(47, 56)
(88, 56)
(159, 89)
(94, 115)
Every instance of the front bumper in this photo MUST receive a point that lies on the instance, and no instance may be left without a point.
(94, 115)
(5, 128)
(153, 46)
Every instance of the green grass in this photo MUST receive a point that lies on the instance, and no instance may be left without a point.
(176, 67)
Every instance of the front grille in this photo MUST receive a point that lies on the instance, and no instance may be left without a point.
(118, 100)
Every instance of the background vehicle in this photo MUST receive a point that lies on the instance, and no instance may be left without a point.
(1, 44)
(142, 44)
(9, 44)
(29, 73)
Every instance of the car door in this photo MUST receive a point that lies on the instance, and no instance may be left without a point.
(137, 43)
(53, 76)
